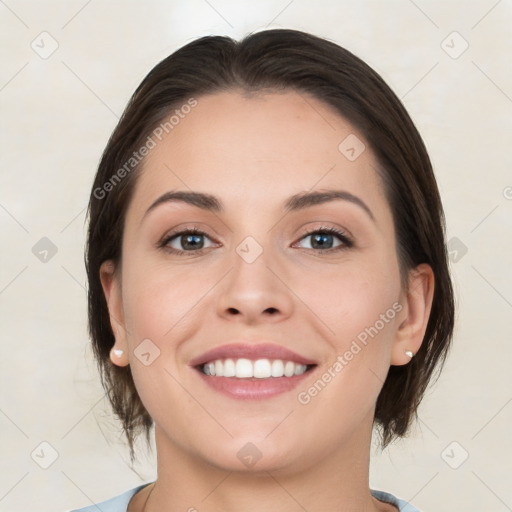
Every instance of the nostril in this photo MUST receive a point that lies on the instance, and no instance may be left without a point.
(271, 310)
(233, 311)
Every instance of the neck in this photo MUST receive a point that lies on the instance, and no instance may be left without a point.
(338, 481)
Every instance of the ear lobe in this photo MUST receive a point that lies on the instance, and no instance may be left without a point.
(112, 290)
(417, 306)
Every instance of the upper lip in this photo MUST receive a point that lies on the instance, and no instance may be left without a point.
(252, 351)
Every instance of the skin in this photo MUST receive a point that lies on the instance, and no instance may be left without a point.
(253, 153)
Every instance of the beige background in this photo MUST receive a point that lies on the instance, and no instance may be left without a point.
(57, 113)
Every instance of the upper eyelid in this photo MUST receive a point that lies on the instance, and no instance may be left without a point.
(168, 237)
(345, 237)
(185, 229)
(327, 229)
(174, 233)
(335, 230)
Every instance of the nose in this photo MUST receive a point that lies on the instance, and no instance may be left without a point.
(255, 292)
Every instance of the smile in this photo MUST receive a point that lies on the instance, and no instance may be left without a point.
(252, 371)
(260, 369)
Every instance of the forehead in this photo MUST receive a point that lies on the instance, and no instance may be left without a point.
(259, 149)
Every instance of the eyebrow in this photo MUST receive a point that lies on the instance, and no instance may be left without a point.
(294, 203)
(199, 199)
(307, 199)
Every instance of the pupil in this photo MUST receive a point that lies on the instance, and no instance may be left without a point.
(192, 241)
(322, 240)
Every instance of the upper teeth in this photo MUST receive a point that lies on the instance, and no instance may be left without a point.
(245, 368)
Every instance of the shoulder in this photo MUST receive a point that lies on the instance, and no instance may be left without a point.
(402, 505)
(116, 504)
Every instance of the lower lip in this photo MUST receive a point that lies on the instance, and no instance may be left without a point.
(253, 389)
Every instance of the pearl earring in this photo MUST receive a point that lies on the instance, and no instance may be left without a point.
(118, 352)
(408, 353)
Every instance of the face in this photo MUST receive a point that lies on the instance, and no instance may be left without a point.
(290, 258)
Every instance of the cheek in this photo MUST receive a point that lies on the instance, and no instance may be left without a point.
(353, 298)
(159, 298)
(359, 305)
(160, 307)
(361, 309)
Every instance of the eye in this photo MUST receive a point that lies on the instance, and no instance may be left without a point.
(190, 240)
(325, 239)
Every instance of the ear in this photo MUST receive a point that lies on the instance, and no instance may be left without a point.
(110, 281)
(417, 303)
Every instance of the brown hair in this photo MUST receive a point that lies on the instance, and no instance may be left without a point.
(278, 60)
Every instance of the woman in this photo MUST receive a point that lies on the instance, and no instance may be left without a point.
(267, 275)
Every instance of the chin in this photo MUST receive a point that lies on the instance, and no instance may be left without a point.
(256, 454)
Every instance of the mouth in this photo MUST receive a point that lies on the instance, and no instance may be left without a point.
(250, 371)
(260, 369)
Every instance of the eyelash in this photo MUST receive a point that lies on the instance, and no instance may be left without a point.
(189, 231)
(347, 243)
